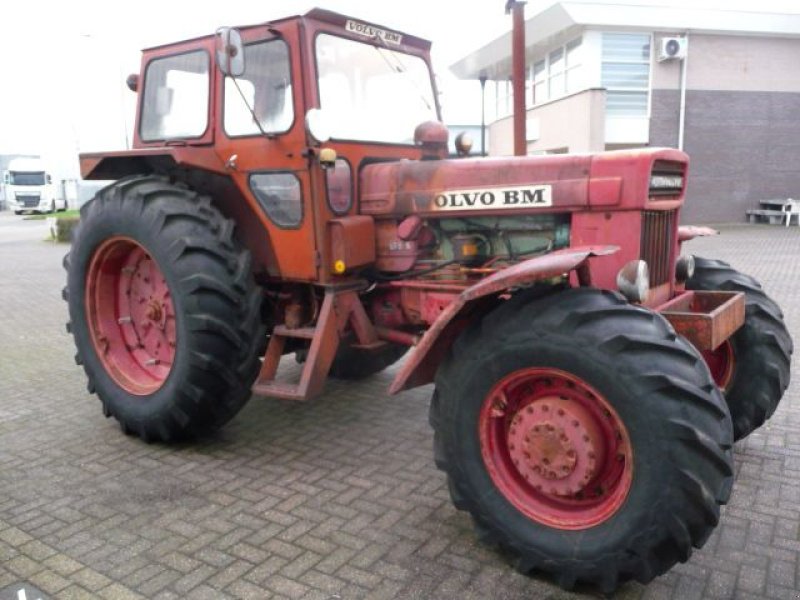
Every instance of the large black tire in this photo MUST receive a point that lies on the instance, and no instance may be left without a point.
(762, 347)
(678, 425)
(216, 303)
(356, 363)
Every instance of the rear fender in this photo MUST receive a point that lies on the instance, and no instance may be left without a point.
(421, 366)
(116, 165)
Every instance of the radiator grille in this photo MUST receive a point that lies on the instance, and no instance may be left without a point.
(657, 234)
(28, 200)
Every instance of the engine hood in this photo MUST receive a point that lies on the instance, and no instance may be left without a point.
(503, 185)
(485, 185)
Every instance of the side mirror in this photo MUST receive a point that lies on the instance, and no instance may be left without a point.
(6, 178)
(230, 52)
(49, 179)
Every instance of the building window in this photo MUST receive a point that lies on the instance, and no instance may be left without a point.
(539, 81)
(573, 74)
(555, 73)
(625, 73)
(504, 97)
(559, 73)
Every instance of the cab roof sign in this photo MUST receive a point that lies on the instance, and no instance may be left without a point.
(370, 31)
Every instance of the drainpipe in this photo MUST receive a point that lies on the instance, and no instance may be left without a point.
(517, 8)
(483, 79)
(682, 113)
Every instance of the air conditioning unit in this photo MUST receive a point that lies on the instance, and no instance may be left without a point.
(672, 48)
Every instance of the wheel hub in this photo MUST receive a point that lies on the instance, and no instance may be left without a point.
(155, 312)
(722, 363)
(132, 317)
(556, 446)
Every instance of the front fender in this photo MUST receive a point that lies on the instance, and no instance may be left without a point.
(689, 232)
(420, 368)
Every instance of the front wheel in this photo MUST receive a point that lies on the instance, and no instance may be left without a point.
(163, 308)
(753, 366)
(583, 436)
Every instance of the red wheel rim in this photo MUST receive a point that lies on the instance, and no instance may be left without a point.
(555, 448)
(721, 363)
(131, 316)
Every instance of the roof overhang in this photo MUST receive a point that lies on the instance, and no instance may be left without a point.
(494, 59)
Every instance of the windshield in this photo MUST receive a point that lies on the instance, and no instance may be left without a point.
(26, 177)
(372, 93)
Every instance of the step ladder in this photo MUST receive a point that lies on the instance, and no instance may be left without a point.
(324, 343)
(338, 309)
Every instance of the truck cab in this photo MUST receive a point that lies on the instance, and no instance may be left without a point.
(29, 187)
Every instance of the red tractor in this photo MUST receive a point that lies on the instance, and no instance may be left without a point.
(290, 191)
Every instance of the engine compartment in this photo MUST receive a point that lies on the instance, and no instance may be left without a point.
(414, 246)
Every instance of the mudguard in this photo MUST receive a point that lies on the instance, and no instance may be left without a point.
(689, 232)
(421, 366)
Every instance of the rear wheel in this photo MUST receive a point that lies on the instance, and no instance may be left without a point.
(163, 309)
(584, 436)
(753, 366)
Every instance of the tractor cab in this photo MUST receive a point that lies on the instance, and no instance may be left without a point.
(254, 105)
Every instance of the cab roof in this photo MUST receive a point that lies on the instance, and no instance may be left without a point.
(317, 14)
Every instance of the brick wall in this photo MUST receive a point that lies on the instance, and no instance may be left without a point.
(744, 147)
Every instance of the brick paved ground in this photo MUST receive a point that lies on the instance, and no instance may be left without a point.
(337, 498)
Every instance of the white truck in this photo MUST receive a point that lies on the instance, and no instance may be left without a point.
(29, 187)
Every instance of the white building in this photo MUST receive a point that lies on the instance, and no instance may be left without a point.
(598, 80)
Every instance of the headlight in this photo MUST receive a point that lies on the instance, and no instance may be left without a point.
(633, 281)
(463, 143)
(684, 268)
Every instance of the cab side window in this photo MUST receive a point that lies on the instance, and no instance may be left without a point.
(265, 87)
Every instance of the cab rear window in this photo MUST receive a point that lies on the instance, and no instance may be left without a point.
(175, 103)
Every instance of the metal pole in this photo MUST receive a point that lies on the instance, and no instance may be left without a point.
(517, 8)
(483, 79)
(682, 112)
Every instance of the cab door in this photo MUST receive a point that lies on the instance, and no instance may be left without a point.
(261, 138)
